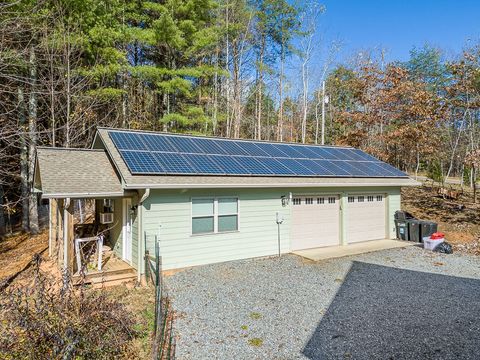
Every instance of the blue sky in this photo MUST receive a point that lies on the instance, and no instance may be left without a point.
(398, 25)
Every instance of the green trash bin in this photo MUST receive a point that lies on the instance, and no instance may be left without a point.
(427, 228)
(414, 230)
(401, 227)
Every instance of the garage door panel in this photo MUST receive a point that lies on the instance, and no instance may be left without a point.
(315, 221)
(366, 217)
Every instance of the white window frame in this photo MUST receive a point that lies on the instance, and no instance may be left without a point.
(215, 214)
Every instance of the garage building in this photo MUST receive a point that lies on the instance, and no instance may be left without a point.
(210, 200)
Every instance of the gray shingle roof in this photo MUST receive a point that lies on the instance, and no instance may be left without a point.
(74, 173)
(168, 181)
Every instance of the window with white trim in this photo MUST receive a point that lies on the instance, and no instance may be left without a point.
(308, 201)
(297, 201)
(370, 198)
(214, 215)
(361, 198)
(379, 197)
(331, 200)
(351, 199)
(320, 200)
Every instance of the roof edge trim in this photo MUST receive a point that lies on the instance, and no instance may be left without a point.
(279, 185)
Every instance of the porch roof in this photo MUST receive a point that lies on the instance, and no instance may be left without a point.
(75, 173)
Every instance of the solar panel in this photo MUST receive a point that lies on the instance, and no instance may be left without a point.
(185, 145)
(296, 167)
(289, 151)
(251, 148)
(229, 165)
(141, 162)
(231, 147)
(276, 166)
(158, 143)
(128, 141)
(174, 163)
(253, 166)
(151, 153)
(204, 164)
(305, 151)
(349, 154)
(209, 146)
(315, 167)
(390, 169)
(271, 149)
(335, 167)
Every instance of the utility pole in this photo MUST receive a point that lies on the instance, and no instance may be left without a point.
(324, 100)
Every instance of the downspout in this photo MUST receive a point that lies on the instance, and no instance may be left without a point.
(141, 239)
(66, 205)
(50, 227)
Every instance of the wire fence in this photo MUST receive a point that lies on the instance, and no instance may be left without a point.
(163, 347)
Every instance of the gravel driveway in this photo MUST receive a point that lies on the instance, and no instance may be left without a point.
(394, 304)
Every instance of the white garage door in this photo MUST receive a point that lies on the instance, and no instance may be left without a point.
(315, 221)
(366, 217)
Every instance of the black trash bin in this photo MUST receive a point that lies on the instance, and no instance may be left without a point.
(414, 230)
(401, 227)
(403, 215)
(427, 229)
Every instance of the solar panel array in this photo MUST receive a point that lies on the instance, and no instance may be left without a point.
(162, 154)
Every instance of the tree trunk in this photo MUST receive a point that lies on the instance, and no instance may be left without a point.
(32, 129)
(68, 91)
(474, 183)
(236, 92)
(259, 89)
(280, 93)
(304, 101)
(2, 216)
(23, 159)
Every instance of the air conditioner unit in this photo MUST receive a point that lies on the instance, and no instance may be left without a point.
(106, 218)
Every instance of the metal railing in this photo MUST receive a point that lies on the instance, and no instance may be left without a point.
(163, 347)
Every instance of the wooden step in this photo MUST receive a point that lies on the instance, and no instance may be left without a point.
(107, 277)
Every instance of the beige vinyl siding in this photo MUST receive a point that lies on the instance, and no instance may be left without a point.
(168, 214)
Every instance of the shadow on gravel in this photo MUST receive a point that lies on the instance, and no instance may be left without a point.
(387, 313)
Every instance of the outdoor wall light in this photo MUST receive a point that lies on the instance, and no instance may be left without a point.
(285, 200)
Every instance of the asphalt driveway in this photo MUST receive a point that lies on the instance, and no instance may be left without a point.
(393, 304)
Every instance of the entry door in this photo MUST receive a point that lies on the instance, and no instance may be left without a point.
(315, 221)
(366, 217)
(127, 230)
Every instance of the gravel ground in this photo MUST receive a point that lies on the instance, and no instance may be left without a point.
(394, 304)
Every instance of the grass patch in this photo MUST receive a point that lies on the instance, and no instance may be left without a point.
(255, 315)
(257, 342)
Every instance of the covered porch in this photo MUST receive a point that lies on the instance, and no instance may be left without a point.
(92, 221)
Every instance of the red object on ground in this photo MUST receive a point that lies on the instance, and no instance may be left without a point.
(437, 235)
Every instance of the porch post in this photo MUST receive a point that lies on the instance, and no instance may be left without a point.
(50, 219)
(66, 228)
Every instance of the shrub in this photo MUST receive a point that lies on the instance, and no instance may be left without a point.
(434, 171)
(50, 320)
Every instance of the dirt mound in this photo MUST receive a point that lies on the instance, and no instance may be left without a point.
(458, 219)
(17, 251)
